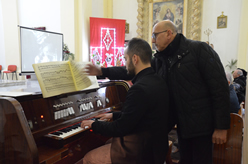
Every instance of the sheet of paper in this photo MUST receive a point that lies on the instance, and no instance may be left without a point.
(94, 83)
(54, 78)
(81, 79)
(15, 94)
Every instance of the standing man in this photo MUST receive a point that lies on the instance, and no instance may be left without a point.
(139, 131)
(198, 91)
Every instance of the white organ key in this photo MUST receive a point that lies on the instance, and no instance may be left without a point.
(65, 113)
(70, 133)
(91, 105)
(58, 114)
(69, 110)
(55, 115)
(72, 110)
(99, 103)
(61, 114)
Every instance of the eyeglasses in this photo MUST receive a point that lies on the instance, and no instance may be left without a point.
(154, 35)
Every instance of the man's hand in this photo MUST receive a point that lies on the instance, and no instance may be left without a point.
(105, 117)
(93, 70)
(86, 124)
(219, 136)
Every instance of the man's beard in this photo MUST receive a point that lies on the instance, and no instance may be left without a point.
(130, 70)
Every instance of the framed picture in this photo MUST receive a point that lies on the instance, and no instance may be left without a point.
(127, 28)
(187, 13)
(173, 10)
(222, 21)
(169, 10)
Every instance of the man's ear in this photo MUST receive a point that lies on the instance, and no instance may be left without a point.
(170, 33)
(135, 59)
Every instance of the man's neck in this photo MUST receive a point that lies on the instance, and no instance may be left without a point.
(173, 46)
(140, 68)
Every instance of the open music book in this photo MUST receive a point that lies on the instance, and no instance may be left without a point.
(60, 77)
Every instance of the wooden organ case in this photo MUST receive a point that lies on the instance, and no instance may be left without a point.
(31, 127)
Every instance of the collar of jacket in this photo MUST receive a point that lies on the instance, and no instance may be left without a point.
(177, 49)
(142, 73)
(242, 77)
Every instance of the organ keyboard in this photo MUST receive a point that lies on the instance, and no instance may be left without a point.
(38, 130)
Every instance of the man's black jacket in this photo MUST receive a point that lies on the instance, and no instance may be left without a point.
(199, 92)
(240, 80)
(140, 129)
(240, 87)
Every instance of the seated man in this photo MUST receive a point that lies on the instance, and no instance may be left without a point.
(239, 83)
(139, 131)
(234, 102)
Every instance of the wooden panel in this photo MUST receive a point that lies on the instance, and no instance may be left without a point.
(16, 141)
(19, 145)
(72, 152)
(230, 152)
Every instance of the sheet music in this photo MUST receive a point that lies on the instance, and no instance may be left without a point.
(60, 77)
(81, 79)
(54, 78)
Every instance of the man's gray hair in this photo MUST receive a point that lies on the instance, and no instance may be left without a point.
(170, 25)
(239, 72)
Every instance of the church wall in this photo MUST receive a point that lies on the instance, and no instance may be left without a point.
(2, 49)
(97, 9)
(127, 10)
(84, 29)
(10, 35)
(225, 40)
(67, 23)
(59, 16)
(40, 13)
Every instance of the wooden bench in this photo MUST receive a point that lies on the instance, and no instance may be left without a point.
(231, 151)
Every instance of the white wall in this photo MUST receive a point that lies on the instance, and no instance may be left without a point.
(58, 16)
(121, 10)
(68, 23)
(97, 8)
(55, 15)
(225, 40)
(2, 49)
(10, 30)
(87, 12)
(40, 13)
(127, 10)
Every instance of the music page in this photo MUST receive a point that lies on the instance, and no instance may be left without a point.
(54, 78)
(80, 78)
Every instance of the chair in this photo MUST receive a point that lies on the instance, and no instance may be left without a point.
(240, 112)
(231, 151)
(11, 69)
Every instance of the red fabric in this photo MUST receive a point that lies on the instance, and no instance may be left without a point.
(107, 38)
(12, 68)
(7, 71)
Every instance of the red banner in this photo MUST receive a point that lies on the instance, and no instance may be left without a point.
(107, 38)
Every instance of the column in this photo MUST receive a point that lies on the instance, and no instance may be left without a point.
(83, 10)
(108, 8)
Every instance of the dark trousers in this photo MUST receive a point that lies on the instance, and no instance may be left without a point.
(197, 150)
